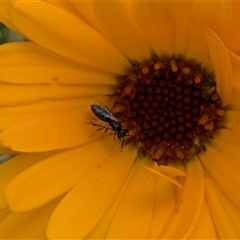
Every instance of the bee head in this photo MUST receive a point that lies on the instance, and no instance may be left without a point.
(122, 133)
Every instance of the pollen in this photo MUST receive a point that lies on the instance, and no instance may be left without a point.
(170, 107)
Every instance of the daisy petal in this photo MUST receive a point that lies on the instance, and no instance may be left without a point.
(232, 37)
(120, 28)
(88, 47)
(29, 225)
(187, 209)
(227, 136)
(86, 11)
(204, 228)
(12, 168)
(91, 197)
(4, 213)
(232, 121)
(26, 60)
(5, 17)
(66, 6)
(45, 177)
(156, 21)
(156, 171)
(222, 66)
(164, 203)
(225, 214)
(171, 171)
(213, 15)
(235, 59)
(39, 92)
(181, 13)
(225, 161)
(140, 199)
(14, 115)
(146, 186)
(22, 137)
(235, 100)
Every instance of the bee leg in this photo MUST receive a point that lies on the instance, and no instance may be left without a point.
(105, 130)
(98, 130)
(114, 136)
(122, 144)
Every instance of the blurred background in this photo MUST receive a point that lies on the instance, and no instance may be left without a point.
(7, 35)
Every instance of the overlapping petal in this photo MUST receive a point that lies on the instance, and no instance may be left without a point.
(182, 221)
(204, 228)
(222, 66)
(91, 197)
(156, 20)
(232, 35)
(20, 192)
(224, 212)
(88, 47)
(135, 48)
(29, 225)
(213, 15)
(12, 168)
(224, 162)
(26, 60)
(88, 187)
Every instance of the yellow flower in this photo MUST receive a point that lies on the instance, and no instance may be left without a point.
(63, 184)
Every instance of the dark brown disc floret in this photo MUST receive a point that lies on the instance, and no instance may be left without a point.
(170, 108)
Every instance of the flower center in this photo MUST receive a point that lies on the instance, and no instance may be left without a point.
(170, 108)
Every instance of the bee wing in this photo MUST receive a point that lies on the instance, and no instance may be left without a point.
(103, 105)
(96, 122)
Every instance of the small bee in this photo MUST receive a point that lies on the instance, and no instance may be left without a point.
(104, 114)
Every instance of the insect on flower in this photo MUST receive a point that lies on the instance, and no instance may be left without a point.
(111, 122)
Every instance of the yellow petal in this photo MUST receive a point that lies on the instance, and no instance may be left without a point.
(225, 214)
(88, 47)
(204, 228)
(232, 35)
(133, 215)
(222, 66)
(14, 115)
(121, 30)
(181, 13)
(232, 121)
(5, 17)
(55, 175)
(156, 20)
(213, 15)
(235, 60)
(136, 191)
(164, 203)
(88, 201)
(13, 167)
(30, 63)
(227, 136)
(187, 209)
(4, 213)
(235, 100)
(47, 134)
(223, 168)
(29, 225)
(30, 93)
(86, 11)
(155, 169)
(171, 171)
(67, 6)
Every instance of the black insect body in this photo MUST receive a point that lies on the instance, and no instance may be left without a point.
(104, 114)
